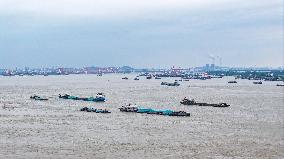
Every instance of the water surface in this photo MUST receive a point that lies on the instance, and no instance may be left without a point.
(251, 128)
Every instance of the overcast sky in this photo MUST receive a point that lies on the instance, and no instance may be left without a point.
(141, 33)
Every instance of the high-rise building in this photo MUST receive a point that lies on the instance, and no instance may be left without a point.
(207, 67)
(212, 67)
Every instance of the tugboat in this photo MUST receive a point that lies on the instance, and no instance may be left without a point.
(129, 108)
(65, 96)
(84, 109)
(186, 101)
(100, 97)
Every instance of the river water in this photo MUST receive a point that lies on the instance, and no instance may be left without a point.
(252, 127)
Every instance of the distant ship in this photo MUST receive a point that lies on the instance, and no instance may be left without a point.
(259, 82)
(149, 77)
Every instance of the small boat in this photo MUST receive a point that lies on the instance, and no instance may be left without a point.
(221, 105)
(94, 110)
(258, 82)
(186, 101)
(280, 85)
(135, 109)
(173, 84)
(65, 96)
(164, 83)
(89, 109)
(179, 113)
(149, 77)
(84, 109)
(232, 82)
(129, 108)
(125, 78)
(158, 77)
(35, 97)
(214, 105)
(170, 84)
(136, 78)
(100, 97)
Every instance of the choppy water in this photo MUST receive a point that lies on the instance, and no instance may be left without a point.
(251, 128)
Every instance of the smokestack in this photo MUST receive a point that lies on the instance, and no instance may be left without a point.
(220, 60)
(212, 57)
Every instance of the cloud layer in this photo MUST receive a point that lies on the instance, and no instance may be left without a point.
(96, 7)
(147, 33)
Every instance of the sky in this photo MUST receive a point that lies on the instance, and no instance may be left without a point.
(142, 34)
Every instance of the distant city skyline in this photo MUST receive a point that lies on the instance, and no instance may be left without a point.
(150, 68)
(141, 34)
